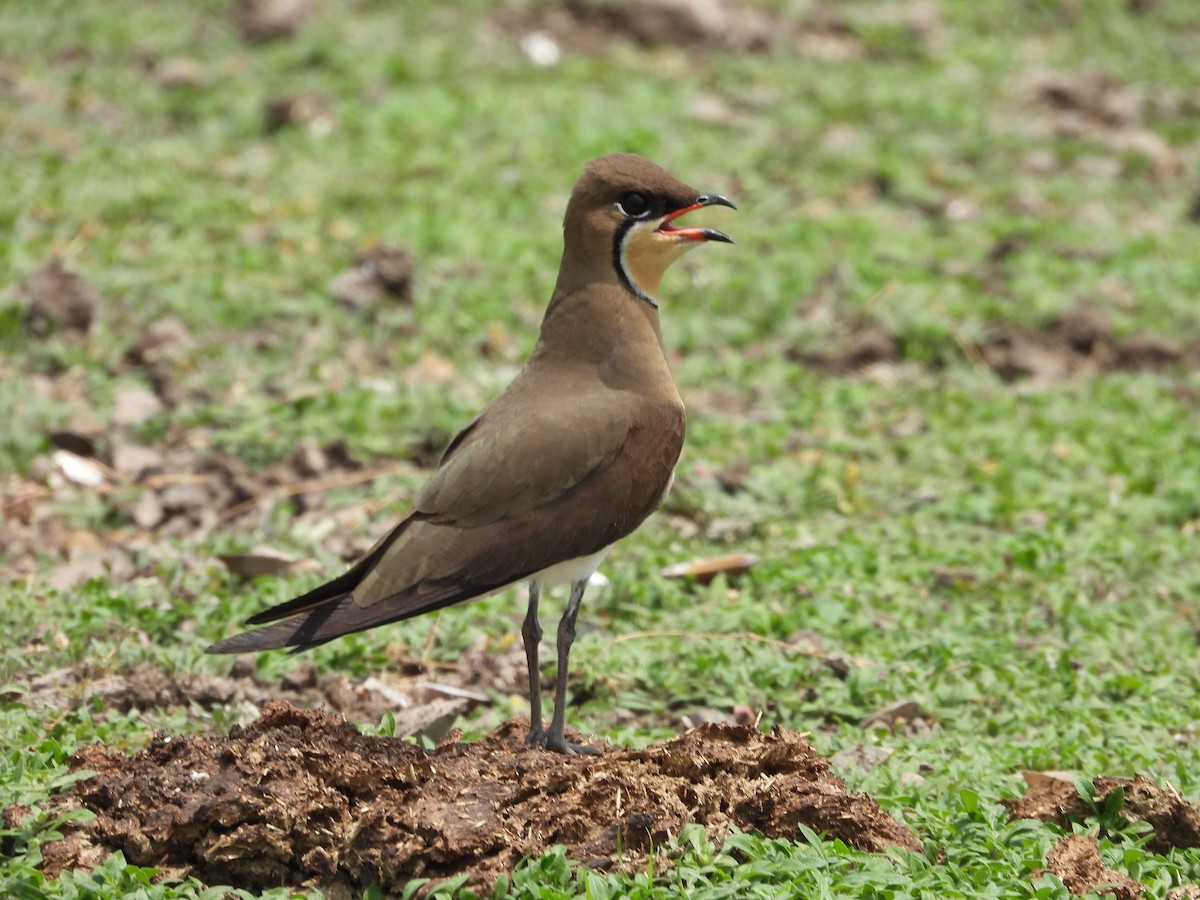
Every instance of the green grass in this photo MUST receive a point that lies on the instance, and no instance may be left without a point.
(1068, 514)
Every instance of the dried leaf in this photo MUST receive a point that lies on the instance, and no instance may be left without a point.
(705, 569)
(451, 690)
(147, 512)
(313, 111)
(430, 368)
(134, 405)
(164, 340)
(1042, 779)
(178, 73)
(309, 460)
(432, 720)
(893, 714)
(80, 470)
(390, 691)
(706, 716)
(861, 756)
(135, 461)
(270, 20)
(266, 562)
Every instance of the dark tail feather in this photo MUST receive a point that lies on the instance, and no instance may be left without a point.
(340, 615)
(290, 633)
(331, 590)
(326, 593)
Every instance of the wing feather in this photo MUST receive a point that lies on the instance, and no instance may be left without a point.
(492, 516)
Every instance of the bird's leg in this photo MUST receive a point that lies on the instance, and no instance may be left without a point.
(566, 635)
(531, 635)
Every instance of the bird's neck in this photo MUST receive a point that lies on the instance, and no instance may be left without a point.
(603, 325)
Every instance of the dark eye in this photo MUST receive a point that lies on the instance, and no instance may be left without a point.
(634, 205)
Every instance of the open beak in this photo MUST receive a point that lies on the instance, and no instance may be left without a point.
(697, 234)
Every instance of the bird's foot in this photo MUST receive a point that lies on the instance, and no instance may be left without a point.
(536, 735)
(559, 744)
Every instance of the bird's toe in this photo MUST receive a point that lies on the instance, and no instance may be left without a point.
(559, 744)
(536, 735)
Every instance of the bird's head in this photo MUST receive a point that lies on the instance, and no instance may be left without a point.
(622, 224)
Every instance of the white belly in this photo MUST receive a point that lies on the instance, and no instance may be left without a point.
(570, 570)
(566, 572)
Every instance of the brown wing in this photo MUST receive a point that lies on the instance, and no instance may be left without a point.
(456, 546)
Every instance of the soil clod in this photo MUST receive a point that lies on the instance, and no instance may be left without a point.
(1076, 860)
(301, 798)
(1176, 823)
(58, 299)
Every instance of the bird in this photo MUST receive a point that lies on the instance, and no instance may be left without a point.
(572, 456)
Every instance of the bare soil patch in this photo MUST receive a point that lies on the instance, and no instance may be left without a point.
(424, 697)
(148, 492)
(1055, 799)
(260, 21)
(1076, 860)
(1117, 118)
(419, 703)
(594, 26)
(57, 298)
(591, 27)
(154, 494)
(301, 798)
(1080, 342)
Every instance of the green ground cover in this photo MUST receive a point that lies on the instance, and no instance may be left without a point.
(1019, 556)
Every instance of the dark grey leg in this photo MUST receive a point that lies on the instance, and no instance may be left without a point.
(531, 635)
(566, 635)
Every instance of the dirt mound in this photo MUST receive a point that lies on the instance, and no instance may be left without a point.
(1055, 799)
(300, 798)
(1076, 860)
